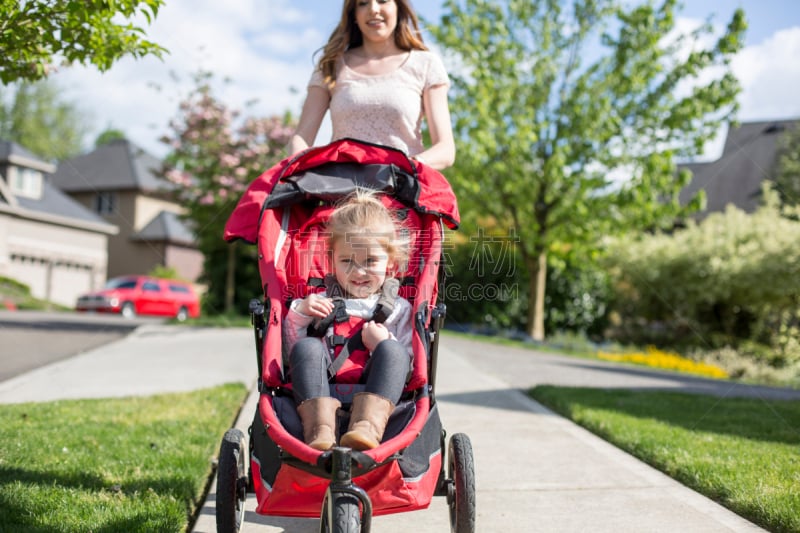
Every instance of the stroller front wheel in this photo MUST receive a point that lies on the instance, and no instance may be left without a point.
(340, 514)
(232, 482)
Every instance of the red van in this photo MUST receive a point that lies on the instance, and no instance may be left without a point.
(143, 295)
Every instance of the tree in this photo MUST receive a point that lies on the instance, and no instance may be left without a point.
(36, 33)
(108, 135)
(214, 155)
(787, 175)
(551, 105)
(38, 119)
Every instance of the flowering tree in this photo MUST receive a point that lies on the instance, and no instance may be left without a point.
(215, 153)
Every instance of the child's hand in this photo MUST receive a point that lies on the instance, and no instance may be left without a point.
(373, 334)
(315, 306)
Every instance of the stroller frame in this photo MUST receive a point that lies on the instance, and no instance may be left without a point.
(346, 506)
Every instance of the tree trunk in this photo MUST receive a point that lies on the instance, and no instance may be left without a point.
(535, 322)
(230, 279)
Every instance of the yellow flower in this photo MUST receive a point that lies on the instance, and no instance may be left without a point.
(656, 358)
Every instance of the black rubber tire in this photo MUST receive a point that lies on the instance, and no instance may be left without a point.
(182, 314)
(343, 516)
(461, 471)
(127, 310)
(231, 482)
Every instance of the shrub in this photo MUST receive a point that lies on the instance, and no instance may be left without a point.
(488, 284)
(12, 287)
(731, 280)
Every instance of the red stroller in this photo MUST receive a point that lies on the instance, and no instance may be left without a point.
(284, 212)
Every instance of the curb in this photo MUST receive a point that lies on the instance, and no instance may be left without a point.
(242, 423)
(245, 416)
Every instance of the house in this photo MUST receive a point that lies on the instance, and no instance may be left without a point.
(47, 240)
(749, 158)
(121, 183)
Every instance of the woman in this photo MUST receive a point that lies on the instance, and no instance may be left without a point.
(379, 80)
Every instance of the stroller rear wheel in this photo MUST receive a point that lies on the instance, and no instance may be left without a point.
(461, 484)
(231, 482)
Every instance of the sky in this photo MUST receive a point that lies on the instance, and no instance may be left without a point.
(265, 49)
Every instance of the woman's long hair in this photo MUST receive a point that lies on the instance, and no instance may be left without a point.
(347, 35)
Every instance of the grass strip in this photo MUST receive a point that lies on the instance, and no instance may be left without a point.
(740, 452)
(129, 464)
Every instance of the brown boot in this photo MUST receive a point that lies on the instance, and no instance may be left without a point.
(319, 421)
(367, 421)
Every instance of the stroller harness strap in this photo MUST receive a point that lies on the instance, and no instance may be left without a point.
(344, 342)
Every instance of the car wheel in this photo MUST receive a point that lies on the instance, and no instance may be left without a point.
(182, 314)
(127, 310)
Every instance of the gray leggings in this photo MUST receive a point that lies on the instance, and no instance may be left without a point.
(385, 373)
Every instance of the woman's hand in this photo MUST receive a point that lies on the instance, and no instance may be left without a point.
(372, 334)
(315, 306)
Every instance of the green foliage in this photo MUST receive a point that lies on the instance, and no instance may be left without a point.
(487, 283)
(741, 452)
(787, 175)
(578, 296)
(246, 280)
(109, 135)
(34, 116)
(36, 34)
(14, 294)
(10, 286)
(215, 154)
(733, 279)
(161, 271)
(552, 102)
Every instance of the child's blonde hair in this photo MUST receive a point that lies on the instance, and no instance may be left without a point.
(363, 214)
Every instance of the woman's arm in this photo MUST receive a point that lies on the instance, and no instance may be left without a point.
(442, 152)
(314, 109)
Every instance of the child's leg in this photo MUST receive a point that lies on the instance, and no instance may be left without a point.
(387, 370)
(308, 369)
(385, 376)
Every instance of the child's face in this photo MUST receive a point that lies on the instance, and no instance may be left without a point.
(360, 265)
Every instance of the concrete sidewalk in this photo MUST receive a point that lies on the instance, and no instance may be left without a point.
(535, 471)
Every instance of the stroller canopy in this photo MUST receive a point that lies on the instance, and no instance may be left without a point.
(330, 172)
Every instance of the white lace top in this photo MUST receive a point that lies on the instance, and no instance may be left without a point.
(385, 109)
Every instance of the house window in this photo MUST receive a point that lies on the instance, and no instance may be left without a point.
(105, 203)
(26, 182)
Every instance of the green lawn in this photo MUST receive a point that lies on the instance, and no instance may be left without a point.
(743, 453)
(111, 465)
